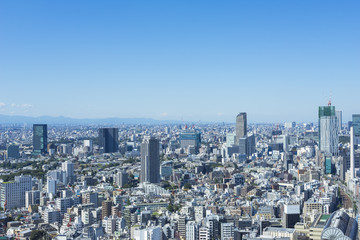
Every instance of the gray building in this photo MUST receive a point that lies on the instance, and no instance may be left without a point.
(328, 130)
(356, 126)
(108, 140)
(241, 126)
(121, 178)
(150, 160)
(13, 152)
(190, 139)
(247, 145)
(39, 139)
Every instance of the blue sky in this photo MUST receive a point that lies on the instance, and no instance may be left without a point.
(180, 60)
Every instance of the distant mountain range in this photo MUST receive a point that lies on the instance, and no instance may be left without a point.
(6, 119)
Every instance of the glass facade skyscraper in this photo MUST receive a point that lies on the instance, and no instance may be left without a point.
(109, 140)
(356, 127)
(241, 126)
(328, 130)
(39, 139)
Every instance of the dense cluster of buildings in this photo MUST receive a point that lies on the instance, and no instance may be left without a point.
(213, 181)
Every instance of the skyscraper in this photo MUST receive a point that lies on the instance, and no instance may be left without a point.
(108, 140)
(150, 160)
(356, 126)
(328, 130)
(68, 168)
(39, 139)
(241, 126)
(338, 114)
(352, 154)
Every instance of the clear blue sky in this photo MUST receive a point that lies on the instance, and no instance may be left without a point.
(193, 60)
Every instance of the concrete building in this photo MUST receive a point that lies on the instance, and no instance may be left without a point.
(241, 126)
(13, 193)
(108, 140)
(192, 231)
(150, 160)
(328, 130)
(13, 152)
(68, 168)
(227, 231)
(32, 198)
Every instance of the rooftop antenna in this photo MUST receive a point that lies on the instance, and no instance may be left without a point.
(329, 103)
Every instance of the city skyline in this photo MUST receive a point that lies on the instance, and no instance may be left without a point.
(179, 61)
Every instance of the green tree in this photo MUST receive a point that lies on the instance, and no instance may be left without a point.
(187, 186)
(38, 234)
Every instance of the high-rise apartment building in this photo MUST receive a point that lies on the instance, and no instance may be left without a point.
(241, 126)
(106, 209)
(227, 231)
(328, 130)
(39, 139)
(108, 140)
(68, 168)
(150, 160)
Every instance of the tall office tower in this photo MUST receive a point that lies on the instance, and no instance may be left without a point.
(51, 186)
(352, 153)
(247, 145)
(13, 193)
(39, 139)
(241, 126)
(108, 140)
(150, 160)
(338, 114)
(356, 126)
(328, 130)
(190, 139)
(68, 168)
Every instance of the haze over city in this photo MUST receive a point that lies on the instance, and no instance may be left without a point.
(179, 60)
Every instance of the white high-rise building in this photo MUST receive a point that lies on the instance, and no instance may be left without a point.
(204, 233)
(227, 231)
(68, 168)
(51, 186)
(328, 130)
(88, 143)
(109, 224)
(352, 153)
(13, 193)
(150, 233)
(192, 231)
